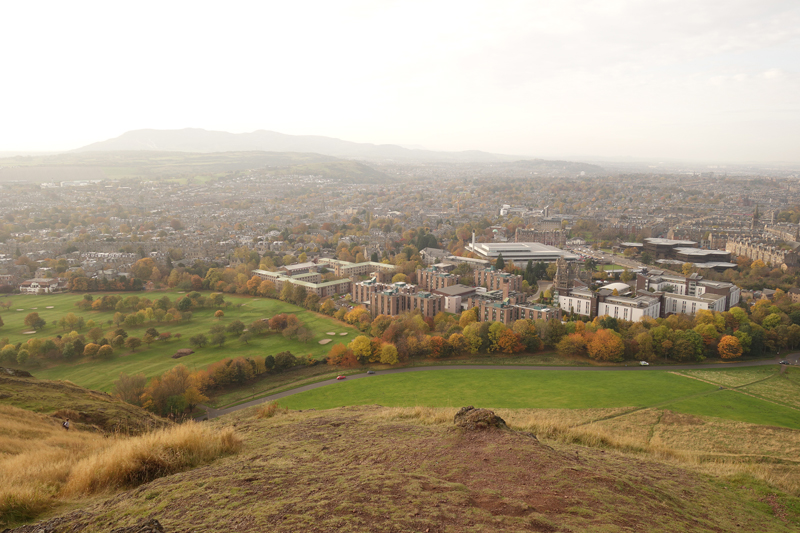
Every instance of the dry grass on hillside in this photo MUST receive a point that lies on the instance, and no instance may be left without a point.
(722, 448)
(367, 468)
(42, 465)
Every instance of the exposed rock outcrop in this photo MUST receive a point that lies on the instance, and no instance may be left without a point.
(16, 373)
(183, 352)
(144, 526)
(473, 419)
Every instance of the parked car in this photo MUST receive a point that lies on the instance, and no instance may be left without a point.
(341, 377)
(783, 363)
(370, 371)
(644, 363)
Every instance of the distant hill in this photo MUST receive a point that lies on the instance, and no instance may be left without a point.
(155, 164)
(200, 140)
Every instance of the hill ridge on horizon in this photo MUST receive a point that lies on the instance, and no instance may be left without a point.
(208, 141)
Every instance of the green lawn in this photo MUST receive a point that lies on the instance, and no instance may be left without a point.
(612, 267)
(736, 406)
(547, 389)
(510, 389)
(157, 359)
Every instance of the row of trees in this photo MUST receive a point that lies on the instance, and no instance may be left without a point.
(679, 337)
(179, 390)
(95, 343)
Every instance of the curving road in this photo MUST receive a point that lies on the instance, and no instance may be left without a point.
(213, 413)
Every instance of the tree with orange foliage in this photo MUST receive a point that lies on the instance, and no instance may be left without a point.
(729, 347)
(509, 342)
(253, 284)
(278, 322)
(439, 347)
(340, 355)
(606, 345)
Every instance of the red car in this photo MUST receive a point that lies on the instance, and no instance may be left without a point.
(341, 377)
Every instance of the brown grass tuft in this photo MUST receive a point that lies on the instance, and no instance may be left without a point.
(131, 462)
(43, 465)
(270, 409)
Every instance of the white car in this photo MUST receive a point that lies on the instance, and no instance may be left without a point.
(644, 363)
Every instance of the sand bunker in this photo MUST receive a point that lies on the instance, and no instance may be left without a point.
(342, 333)
(331, 333)
(20, 309)
(325, 341)
(28, 332)
(50, 307)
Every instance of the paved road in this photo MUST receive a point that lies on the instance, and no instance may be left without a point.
(542, 286)
(213, 413)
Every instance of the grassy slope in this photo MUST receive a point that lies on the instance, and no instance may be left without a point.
(85, 408)
(514, 389)
(157, 358)
(371, 469)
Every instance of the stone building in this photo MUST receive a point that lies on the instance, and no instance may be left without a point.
(551, 237)
(432, 279)
(770, 254)
(496, 279)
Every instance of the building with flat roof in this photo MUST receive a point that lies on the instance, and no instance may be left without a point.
(520, 252)
(346, 269)
(299, 268)
(665, 248)
(312, 282)
(688, 294)
(432, 278)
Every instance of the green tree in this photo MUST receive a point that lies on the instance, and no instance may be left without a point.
(218, 339)
(198, 341)
(500, 264)
(132, 343)
(34, 321)
(22, 356)
(287, 291)
(236, 327)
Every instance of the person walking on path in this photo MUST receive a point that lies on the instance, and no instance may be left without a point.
(65, 425)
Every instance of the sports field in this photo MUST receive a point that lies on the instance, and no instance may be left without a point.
(156, 359)
(549, 389)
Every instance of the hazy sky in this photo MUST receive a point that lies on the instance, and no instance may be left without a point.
(678, 79)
